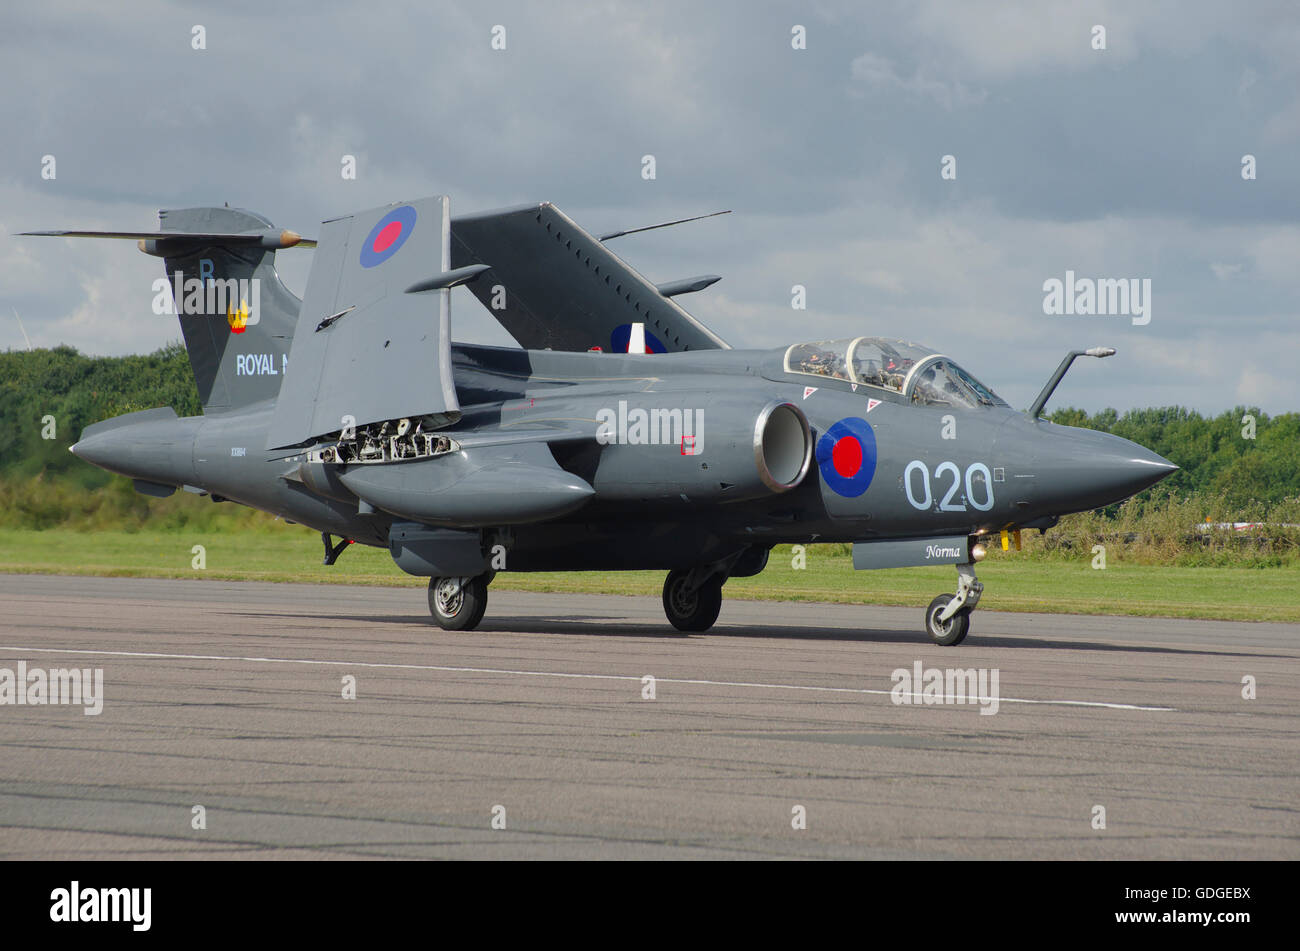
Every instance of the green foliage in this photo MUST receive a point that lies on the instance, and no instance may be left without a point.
(1216, 458)
(1172, 529)
(76, 391)
(45, 502)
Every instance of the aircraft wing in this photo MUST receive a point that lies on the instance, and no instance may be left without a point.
(373, 339)
(562, 289)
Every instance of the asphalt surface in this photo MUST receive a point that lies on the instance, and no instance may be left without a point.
(229, 696)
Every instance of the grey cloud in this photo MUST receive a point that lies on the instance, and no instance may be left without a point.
(1122, 163)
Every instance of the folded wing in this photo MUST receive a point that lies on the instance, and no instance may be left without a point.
(554, 286)
(373, 337)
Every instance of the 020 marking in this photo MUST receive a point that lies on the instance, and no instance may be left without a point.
(946, 504)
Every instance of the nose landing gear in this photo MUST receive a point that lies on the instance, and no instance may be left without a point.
(947, 619)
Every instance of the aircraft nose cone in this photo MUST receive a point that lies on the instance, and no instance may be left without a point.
(85, 449)
(99, 450)
(1090, 469)
(1146, 468)
(1128, 472)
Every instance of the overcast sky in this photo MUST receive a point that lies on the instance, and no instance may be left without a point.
(1125, 162)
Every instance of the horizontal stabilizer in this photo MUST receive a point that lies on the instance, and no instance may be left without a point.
(274, 238)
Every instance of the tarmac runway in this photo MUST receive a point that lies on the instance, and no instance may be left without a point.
(230, 696)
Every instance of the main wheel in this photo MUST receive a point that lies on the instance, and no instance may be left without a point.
(688, 610)
(947, 633)
(457, 604)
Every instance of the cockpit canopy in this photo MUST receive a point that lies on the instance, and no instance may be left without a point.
(915, 372)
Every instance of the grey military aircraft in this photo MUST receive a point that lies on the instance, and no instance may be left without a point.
(622, 433)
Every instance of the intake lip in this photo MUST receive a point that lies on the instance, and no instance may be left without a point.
(782, 445)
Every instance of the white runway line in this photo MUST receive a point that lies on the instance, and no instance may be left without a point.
(551, 673)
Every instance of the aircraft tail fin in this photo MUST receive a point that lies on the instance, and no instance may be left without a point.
(236, 316)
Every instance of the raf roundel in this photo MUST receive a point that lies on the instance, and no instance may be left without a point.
(846, 456)
(622, 334)
(387, 237)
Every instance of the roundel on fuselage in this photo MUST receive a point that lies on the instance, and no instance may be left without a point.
(846, 456)
(387, 236)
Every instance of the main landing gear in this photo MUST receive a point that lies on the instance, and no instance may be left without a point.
(693, 598)
(947, 619)
(457, 604)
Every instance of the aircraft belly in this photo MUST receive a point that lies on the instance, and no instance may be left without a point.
(631, 543)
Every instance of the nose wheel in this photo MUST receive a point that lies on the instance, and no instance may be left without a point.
(950, 632)
(947, 619)
(458, 604)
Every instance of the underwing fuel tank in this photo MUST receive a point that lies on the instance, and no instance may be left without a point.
(495, 485)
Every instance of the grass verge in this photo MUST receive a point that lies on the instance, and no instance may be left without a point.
(1014, 582)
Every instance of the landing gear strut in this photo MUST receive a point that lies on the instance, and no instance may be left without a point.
(457, 604)
(693, 598)
(332, 550)
(947, 619)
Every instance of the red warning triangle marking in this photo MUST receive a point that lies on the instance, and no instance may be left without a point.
(872, 404)
(809, 391)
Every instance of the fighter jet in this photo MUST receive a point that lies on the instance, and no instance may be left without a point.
(621, 434)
